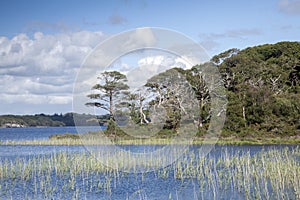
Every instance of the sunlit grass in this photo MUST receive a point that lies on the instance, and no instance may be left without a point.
(100, 140)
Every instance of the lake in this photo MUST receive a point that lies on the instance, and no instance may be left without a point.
(40, 133)
(71, 172)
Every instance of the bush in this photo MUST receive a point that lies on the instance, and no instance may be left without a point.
(114, 131)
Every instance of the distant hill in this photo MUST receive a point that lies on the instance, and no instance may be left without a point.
(48, 120)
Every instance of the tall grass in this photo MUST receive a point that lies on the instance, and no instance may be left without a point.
(149, 141)
(273, 174)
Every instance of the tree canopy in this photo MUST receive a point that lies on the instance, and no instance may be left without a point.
(263, 84)
(111, 83)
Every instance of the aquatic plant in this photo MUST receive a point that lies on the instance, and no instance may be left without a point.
(272, 174)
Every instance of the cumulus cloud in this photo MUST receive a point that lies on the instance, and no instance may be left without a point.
(152, 65)
(164, 62)
(142, 65)
(31, 99)
(108, 52)
(289, 6)
(142, 37)
(42, 69)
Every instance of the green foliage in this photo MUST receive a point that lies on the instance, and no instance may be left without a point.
(114, 131)
(222, 56)
(196, 79)
(64, 136)
(262, 84)
(234, 117)
(29, 120)
(47, 120)
(263, 89)
(166, 133)
(109, 87)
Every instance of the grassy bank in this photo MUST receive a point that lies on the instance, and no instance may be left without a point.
(98, 140)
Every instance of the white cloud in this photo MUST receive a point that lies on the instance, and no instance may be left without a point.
(108, 52)
(289, 6)
(142, 37)
(166, 62)
(184, 62)
(141, 62)
(154, 60)
(152, 65)
(32, 99)
(42, 69)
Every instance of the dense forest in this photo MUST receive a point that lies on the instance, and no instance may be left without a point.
(263, 89)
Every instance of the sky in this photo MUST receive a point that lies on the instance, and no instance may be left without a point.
(43, 43)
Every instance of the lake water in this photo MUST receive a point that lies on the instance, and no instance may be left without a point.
(132, 186)
(41, 133)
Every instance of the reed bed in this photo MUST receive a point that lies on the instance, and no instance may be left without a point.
(272, 174)
(97, 140)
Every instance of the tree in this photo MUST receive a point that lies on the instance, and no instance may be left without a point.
(133, 104)
(195, 77)
(217, 59)
(109, 87)
(172, 92)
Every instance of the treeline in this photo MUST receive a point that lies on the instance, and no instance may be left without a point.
(262, 85)
(46, 120)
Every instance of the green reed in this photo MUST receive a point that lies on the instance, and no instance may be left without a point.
(273, 174)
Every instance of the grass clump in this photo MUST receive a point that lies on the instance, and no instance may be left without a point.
(64, 136)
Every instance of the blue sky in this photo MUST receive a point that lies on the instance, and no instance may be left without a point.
(31, 81)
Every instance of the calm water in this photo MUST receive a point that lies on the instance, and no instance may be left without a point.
(131, 187)
(33, 133)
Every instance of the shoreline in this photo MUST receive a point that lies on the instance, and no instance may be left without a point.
(157, 141)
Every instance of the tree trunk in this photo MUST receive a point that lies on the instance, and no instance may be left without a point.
(244, 116)
(143, 116)
(244, 111)
(111, 105)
